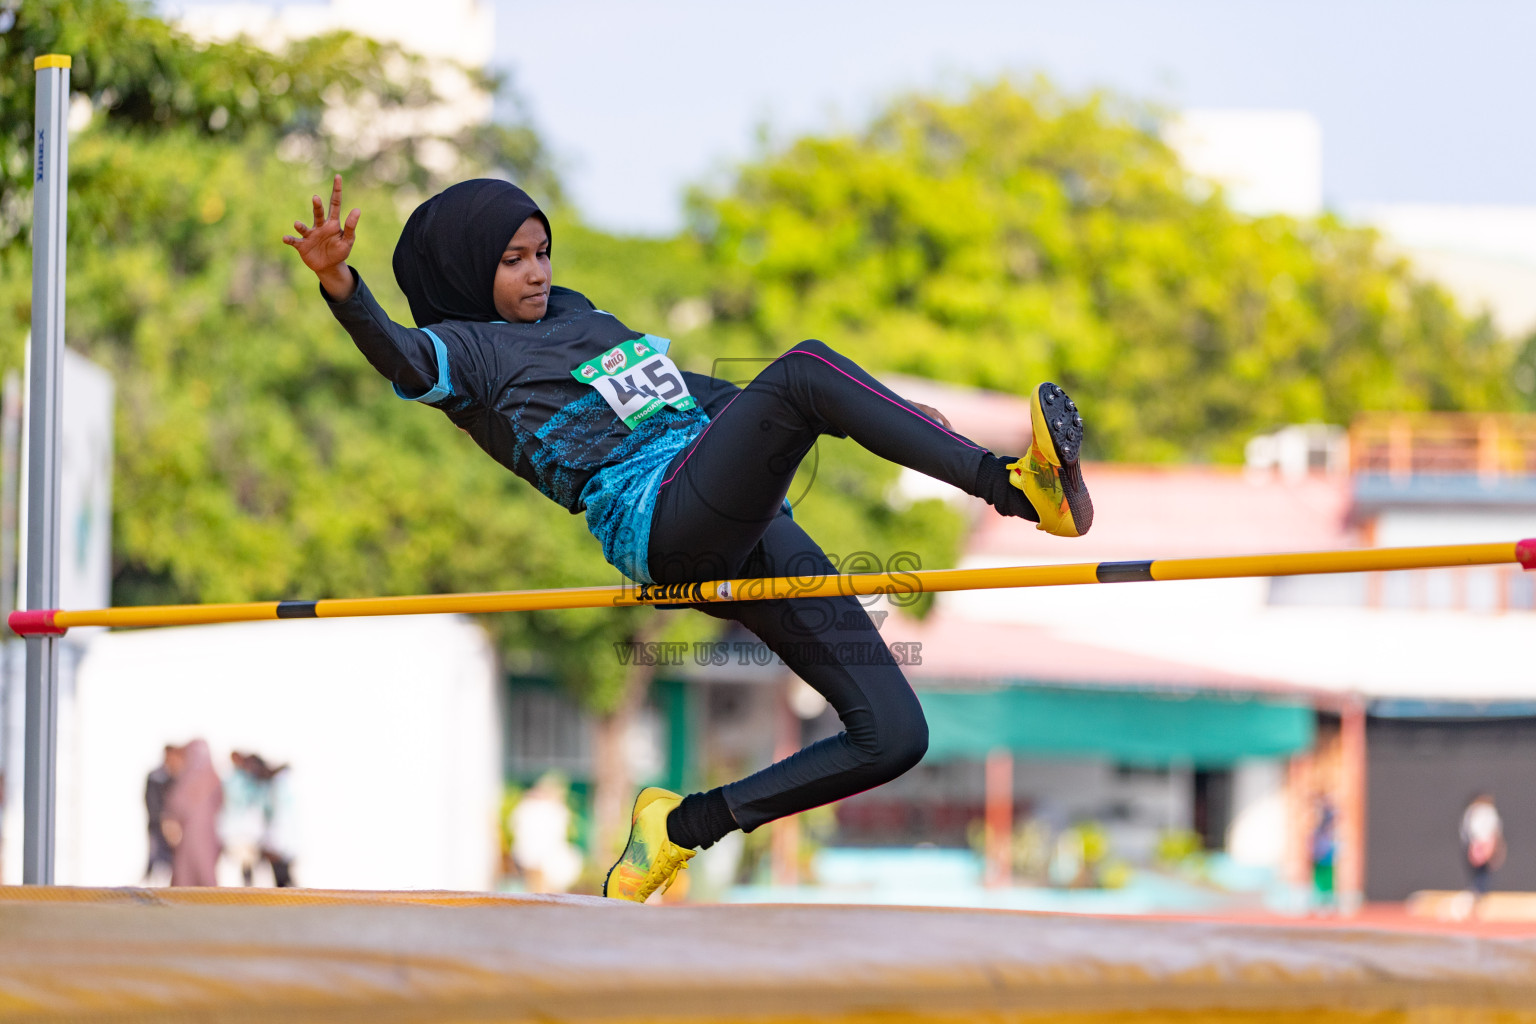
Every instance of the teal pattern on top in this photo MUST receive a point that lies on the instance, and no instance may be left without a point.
(621, 498)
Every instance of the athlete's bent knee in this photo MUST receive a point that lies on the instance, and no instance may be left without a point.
(899, 747)
(812, 346)
(911, 748)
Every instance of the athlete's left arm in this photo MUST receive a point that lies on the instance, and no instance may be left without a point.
(712, 393)
(932, 413)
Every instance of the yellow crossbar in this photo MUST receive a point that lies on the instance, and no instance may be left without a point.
(34, 623)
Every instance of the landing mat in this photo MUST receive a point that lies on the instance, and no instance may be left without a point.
(140, 955)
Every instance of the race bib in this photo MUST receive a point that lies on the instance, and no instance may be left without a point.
(637, 380)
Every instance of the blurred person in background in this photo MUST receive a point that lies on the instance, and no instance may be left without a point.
(244, 817)
(156, 787)
(1482, 841)
(541, 837)
(1325, 845)
(276, 843)
(255, 823)
(192, 804)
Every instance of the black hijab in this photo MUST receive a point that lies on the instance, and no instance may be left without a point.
(447, 255)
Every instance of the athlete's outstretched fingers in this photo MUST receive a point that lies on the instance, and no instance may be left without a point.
(319, 210)
(349, 230)
(335, 210)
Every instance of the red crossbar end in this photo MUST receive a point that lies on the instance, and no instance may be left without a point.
(1525, 552)
(38, 623)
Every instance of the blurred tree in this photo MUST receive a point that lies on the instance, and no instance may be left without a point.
(1018, 235)
(1524, 373)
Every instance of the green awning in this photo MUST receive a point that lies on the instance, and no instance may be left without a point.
(1137, 727)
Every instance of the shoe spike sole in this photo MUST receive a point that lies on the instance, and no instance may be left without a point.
(1064, 423)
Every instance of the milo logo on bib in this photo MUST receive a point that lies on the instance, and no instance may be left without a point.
(637, 380)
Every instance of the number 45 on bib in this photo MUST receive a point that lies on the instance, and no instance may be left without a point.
(637, 379)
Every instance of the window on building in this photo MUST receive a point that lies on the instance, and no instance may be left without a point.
(1213, 806)
(1140, 773)
(546, 730)
(1476, 589)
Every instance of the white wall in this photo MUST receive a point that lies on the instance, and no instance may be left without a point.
(391, 725)
(1256, 835)
(1485, 255)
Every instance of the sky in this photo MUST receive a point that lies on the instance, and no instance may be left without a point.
(1418, 101)
(1424, 102)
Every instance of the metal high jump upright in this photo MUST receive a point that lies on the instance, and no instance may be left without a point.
(45, 360)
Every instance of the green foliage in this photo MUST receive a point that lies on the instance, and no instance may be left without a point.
(639, 280)
(1180, 850)
(1523, 374)
(1020, 235)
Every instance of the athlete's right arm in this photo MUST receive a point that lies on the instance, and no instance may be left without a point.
(408, 358)
(325, 245)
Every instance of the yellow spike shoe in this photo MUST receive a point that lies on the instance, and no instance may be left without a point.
(1049, 475)
(651, 860)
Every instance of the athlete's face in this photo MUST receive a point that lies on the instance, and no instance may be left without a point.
(522, 278)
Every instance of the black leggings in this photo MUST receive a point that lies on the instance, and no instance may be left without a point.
(719, 515)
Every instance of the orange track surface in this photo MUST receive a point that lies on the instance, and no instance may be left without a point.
(131, 955)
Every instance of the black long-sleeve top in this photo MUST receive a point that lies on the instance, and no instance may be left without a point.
(511, 387)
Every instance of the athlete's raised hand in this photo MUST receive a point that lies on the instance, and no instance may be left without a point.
(325, 245)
